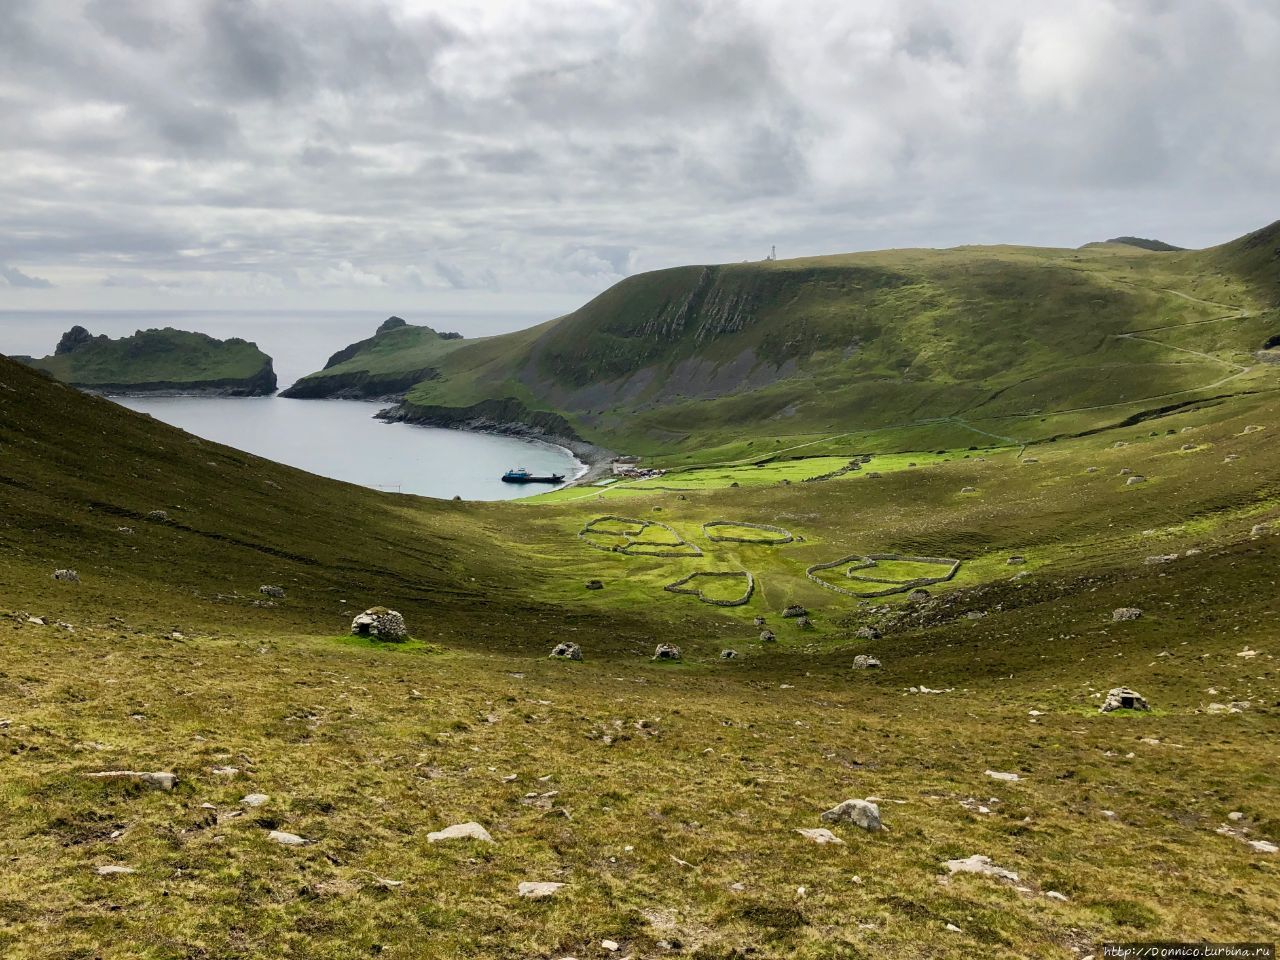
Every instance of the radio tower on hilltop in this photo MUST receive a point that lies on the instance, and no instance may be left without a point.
(773, 252)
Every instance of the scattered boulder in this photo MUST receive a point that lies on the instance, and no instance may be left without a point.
(1016, 561)
(804, 623)
(767, 636)
(818, 834)
(254, 799)
(267, 590)
(861, 813)
(158, 515)
(595, 584)
(759, 621)
(111, 870)
(288, 839)
(538, 889)
(1122, 614)
(918, 595)
(1091, 470)
(157, 780)
(867, 633)
(667, 651)
(795, 610)
(998, 775)
(968, 490)
(567, 651)
(461, 831)
(864, 662)
(729, 655)
(1123, 698)
(1136, 478)
(1188, 446)
(982, 865)
(381, 623)
(1259, 529)
(66, 576)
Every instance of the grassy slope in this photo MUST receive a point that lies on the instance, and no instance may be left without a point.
(964, 344)
(151, 356)
(396, 350)
(365, 750)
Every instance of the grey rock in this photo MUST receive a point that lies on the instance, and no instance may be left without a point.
(461, 831)
(567, 651)
(254, 799)
(861, 813)
(864, 662)
(667, 651)
(595, 584)
(818, 834)
(981, 865)
(1015, 561)
(794, 610)
(160, 515)
(1123, 698)
(112, 870)
(267, 590)
(155, 780)
(538, 889)
(767, 636)
(381, 623)
(288, 839)
(1122, 614)
(867, 633)
(729, 655)
(1136, 478)
(66, 576)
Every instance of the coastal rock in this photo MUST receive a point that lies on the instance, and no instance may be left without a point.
(567, 651)
(861, 813)
(1123, 698)
(381, 623)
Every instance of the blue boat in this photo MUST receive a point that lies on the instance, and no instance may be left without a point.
(522, 475)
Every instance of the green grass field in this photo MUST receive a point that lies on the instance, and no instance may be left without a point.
(664, 796)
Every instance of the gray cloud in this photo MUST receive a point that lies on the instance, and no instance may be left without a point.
(286, 152)
(16, 278)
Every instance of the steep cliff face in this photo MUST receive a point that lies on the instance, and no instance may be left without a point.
(160, 361)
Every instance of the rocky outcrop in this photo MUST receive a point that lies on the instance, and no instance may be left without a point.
(508, 416)
(359, 385)
(381, 624)
(1123, 698)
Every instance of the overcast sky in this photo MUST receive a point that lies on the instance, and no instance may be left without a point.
(393, 154)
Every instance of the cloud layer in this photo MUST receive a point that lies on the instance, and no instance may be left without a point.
(332, 151)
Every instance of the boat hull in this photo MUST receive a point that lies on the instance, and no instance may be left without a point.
(551, 479)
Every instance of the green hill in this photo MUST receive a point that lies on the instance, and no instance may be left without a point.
(160, 361)
(1158, 246)
(665, 797)
(385, 365)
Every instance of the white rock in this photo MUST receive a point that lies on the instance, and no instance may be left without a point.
(537, 889)
(818, 834)
(111, 870)
(980, 864)
(288, 839)
(1263, 846)
(861, 813)
(610, 945)
(461, 831)
(997, 775)
(254, 799)
(953, 928)
(1235, 815)
(225, 771)
(1055, 895)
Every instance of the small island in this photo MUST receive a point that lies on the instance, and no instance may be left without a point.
(382, 367)
(157, 362)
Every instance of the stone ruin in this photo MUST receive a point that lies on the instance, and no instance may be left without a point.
(865, 662)
(66, 576)
(729, 655)
(766, 636)
(1123, 698)
(667, 651)
(795, 610)
(683, 586)
(1121, 614)
(567, 651)
(381, 624)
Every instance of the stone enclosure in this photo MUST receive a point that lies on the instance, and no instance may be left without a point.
(857, 562)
